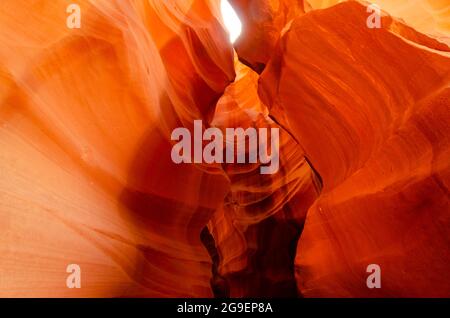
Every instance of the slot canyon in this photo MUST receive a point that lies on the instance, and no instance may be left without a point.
(86, 175)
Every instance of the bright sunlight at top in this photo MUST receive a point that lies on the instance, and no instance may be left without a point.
(231, 20)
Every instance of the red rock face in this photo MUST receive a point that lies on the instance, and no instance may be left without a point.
(87, 178)
(258, 226)
(378, 101)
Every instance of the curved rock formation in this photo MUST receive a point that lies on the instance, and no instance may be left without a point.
(86, 173)
(257, 229)
(370, 107)
(428, 16)
(87, 178)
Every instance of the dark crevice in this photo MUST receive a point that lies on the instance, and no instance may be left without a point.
(270, 271)
(257, 67)
(318, 182)
(218, 284)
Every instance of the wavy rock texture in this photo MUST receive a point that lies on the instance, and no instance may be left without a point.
(370, 107)
(257, 228)
(428, 16)
(86, 175)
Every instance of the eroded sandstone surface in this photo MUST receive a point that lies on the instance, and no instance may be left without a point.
(86, 175)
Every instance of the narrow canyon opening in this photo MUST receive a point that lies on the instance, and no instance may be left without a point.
(231, 20)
